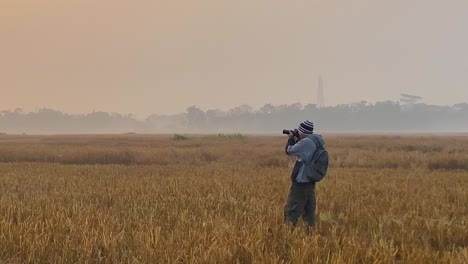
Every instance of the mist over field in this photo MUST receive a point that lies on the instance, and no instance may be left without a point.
(385, 116)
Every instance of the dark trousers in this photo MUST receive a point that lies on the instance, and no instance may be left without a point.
(301, 203)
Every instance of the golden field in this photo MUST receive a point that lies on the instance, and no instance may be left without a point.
(220, 199)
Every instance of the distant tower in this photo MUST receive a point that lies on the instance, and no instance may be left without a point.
(320, 97)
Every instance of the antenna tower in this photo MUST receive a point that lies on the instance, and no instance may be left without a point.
(320, 97)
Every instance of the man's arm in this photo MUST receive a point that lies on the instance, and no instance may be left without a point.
(294, 148)
(291, 142)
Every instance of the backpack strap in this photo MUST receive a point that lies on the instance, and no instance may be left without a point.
(317, 142)
(318, 146)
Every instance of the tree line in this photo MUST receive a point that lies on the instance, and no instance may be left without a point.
(387, 116)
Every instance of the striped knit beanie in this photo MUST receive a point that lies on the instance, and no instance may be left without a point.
(306, 127)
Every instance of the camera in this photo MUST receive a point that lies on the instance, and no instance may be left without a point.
(295, 132)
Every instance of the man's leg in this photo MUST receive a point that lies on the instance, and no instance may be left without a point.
(295, 205)
(310, 205)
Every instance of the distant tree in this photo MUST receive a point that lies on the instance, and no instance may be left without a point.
(310, 107)
(196, 118)
(295, 107)
(241, 110)
(461, 106)
(267, 109)
(410, 99)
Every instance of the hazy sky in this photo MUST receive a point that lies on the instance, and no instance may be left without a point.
(160, 56)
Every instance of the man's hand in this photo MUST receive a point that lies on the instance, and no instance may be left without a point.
(291, 141)
(293, 137)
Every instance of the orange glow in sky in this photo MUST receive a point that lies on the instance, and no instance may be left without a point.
(147, 57)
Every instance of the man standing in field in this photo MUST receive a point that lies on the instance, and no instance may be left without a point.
(301, 198)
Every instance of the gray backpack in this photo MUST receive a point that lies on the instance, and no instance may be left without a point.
(319, 162)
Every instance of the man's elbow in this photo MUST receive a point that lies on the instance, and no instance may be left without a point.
(290, 151)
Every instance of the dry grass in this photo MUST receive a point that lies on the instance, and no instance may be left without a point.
(150, 199)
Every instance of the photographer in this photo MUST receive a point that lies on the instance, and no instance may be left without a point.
(302, 144)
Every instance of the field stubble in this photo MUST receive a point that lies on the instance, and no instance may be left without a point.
(150, 199)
